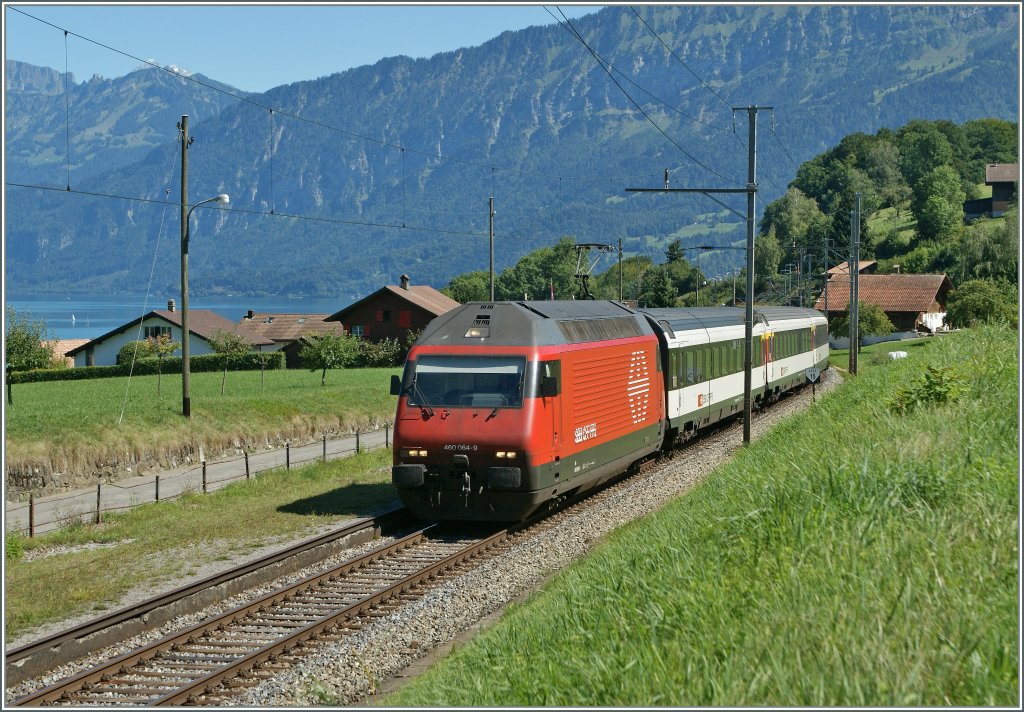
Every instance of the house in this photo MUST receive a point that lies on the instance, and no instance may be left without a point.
(393, 311)
(1003, 177)
(843, 269)
(202, 323)
(913, 302)
(287, 330)
(61, 348)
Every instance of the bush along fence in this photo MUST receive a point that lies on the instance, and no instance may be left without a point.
(53, 512)
(151, 366)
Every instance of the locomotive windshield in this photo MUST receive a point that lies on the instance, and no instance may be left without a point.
(467, 381)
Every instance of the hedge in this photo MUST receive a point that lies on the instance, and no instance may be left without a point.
(148, 367)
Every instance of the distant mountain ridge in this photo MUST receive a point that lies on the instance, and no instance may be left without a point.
(114, 122)
(397, 160)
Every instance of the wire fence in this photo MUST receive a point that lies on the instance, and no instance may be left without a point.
(55, 512)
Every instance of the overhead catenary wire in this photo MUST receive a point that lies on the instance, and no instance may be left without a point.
(680, 59)
(241, 98)
(569, 26)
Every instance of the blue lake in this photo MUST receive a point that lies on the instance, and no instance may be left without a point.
(86, 316)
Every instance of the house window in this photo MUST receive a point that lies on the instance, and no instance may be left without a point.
(155, 332)
(384, 315)
(357, 330)
(405, 318)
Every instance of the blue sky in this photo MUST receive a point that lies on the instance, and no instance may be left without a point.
(256, 46)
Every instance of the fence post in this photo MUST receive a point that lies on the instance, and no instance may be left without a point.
(31, 516)
(357, 441)
(246, 465)
(287, 456)
(325, 447)
(158, 488)
(204, 476)
(386, 443)
(98, 485)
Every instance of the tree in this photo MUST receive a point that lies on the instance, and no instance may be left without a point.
(229, 345)
(989, 249)
(942, 182)
(979, 301)
(871, 321)
(923, 148)
(161, 347)
(28, 343)
(469, 287)
(767, 255)
(791, 216)
(675, 251)
(324, 351)
(605, 285)
(656, 289)
(534, 274)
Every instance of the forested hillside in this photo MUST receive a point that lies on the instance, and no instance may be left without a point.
(913, 182)
(355, 178)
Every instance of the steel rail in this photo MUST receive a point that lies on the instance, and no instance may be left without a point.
(127, 614)
(189, 692)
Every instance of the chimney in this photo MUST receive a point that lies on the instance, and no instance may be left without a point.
(405, 282)
(170, 305)
(250, 314)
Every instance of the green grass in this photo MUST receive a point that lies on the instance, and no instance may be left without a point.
(850, 557)
(876, 354)
(167, 540)
(77, 423)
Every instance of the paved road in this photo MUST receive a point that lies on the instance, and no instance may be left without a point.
(53, 510)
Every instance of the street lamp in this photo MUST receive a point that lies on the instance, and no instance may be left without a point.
(186, 400)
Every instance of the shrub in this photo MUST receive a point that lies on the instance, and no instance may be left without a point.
(150, 367)
(936, 387)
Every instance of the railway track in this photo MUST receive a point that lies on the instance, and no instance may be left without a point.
(211, 661)
(39, 656)
(183, 667)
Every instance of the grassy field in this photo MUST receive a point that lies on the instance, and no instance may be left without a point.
(877, 354)
(854, 556)
(167, 540)
(76, 423)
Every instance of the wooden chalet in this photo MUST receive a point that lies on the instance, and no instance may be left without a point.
(1004, 178)
(393, 311)
(913, 302)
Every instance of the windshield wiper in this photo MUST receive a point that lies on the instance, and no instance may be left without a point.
(418, 393)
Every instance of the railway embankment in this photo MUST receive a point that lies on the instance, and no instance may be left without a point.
(862, 553)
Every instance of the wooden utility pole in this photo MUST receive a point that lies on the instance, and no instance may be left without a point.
(490, 232)
(751, 191)
(620, 269)
(186, 399)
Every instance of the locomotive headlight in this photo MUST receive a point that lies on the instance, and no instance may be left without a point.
(505, 454)
(413, 452)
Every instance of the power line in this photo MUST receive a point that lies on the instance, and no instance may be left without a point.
(680, 59)
(359, 223)
(313, 122)
(601, 63)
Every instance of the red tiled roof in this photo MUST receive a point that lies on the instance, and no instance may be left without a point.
(892, 292)
(201, 322)
(844, 268)
(422, 296)
(61, 348)
(289, 327)
(1002, 173)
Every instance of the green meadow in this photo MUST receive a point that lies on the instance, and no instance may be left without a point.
(89, 422)
(863, 553)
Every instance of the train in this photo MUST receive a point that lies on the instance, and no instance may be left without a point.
(508, 408)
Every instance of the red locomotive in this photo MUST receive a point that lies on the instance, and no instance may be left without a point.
(507, 406)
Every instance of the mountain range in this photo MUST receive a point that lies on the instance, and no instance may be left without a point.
(342, 183)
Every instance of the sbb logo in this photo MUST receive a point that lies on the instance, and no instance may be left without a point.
(587, 432)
